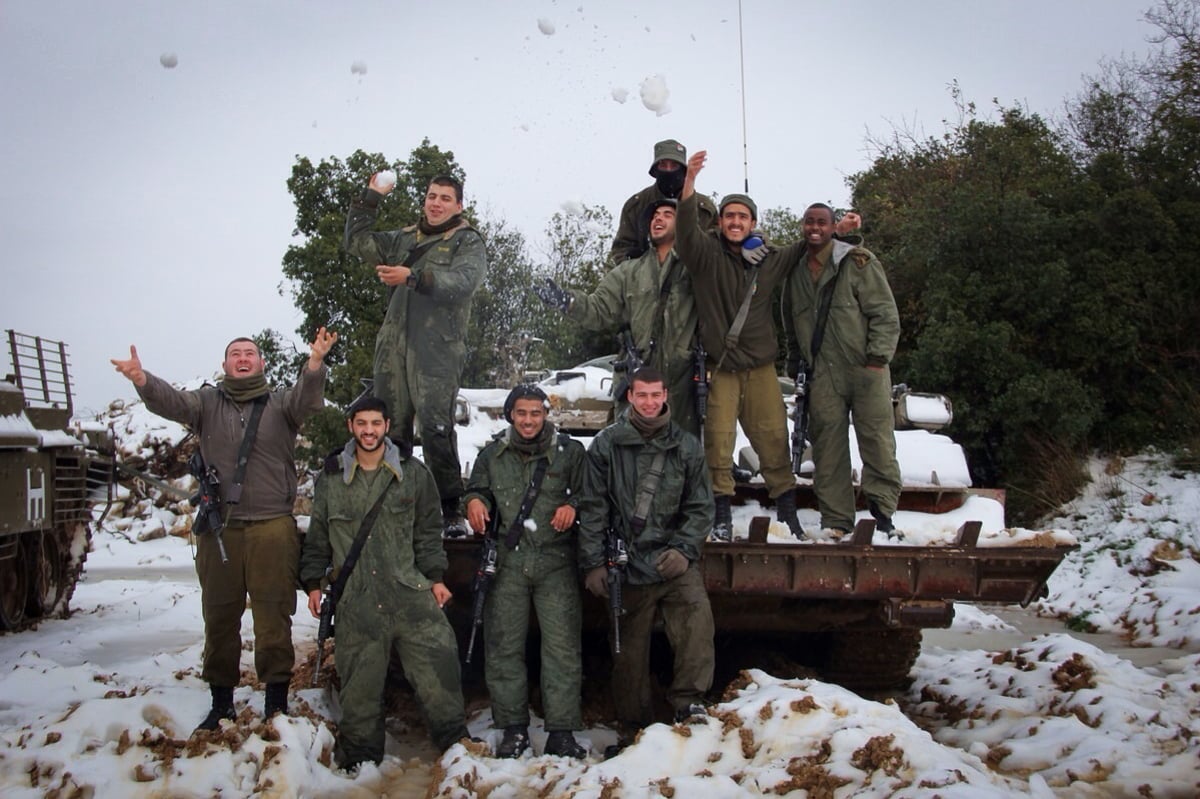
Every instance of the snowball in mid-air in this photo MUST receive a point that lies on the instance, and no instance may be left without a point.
(169, 60)
(620, 95)
(545, 26)
(385, 179)
(655, 95)
(358, 68)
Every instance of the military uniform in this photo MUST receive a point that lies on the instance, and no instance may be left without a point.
(679, 518)
(633, 227)
(541, 569)
(421, 346)
(632, 293)
(862, 330)
(744, 385)
(387, 601)
(260, 538)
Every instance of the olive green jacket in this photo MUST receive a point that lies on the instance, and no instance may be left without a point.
(631, 294)
(404, 547)
(633, 227)
(863, 324)
(434, 314)
(501, 476)
(720, 280)
(681, 513)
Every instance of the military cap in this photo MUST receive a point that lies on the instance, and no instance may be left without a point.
(670, 150)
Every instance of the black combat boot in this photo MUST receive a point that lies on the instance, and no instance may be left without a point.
(563, 744)
(275, 699)
(222, 708)
(785, 511)
(693, 712)
(514, 743)
(883, 522)
(722, 518)
(452, 518)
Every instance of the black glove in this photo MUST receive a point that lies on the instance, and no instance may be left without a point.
(671, 564)
(549, 293)
(596, 582)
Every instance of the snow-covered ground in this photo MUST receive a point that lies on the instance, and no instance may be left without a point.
(102, 704)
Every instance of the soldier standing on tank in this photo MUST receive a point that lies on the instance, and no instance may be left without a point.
(652, 295)
(260, 538)
(537, 565)
(850, 375)
(395, 594)
(647, 483)
(432, 270)
(633, 228)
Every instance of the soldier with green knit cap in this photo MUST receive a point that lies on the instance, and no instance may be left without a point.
(536, 569)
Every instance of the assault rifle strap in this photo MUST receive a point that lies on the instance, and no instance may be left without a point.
(339, 584)
(234, 495)
(647, 485)
(739, 321)
(823, 304)
(664, 292)
(513, 536)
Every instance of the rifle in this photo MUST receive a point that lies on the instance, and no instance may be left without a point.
(800, 417)
(207, 500)
(700, 379)
(616, 557)
(325, 625)
(630, 361)
(484, 574)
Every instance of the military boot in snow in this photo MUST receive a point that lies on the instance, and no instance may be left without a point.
(722, 518)
(222, 708)
(785, 511)
(563, 744)
(883, 522)
(452, 518)
(275, 699)
(514, 742)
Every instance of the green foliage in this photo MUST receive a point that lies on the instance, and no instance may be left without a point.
(577, 251)
(503, 315)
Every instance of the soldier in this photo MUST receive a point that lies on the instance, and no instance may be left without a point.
(432, 270)
(536, 563)
(652, 295)
(646, 482)
(667, 169)
(257, 551)
(850, 373)
(395, 594)
(733, 300)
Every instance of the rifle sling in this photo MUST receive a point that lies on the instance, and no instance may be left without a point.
(513, 536)
(647, 485)
(823, 304)
(243, 456)
(739, 321)
(339, 584)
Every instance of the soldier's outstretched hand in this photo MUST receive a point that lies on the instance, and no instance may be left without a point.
(321, 346)
(849, 221)
(131, 368)
(694, 165)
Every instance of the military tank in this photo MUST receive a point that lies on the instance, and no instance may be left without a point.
(50, 477)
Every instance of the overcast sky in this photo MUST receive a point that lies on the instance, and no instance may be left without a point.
(147, 205)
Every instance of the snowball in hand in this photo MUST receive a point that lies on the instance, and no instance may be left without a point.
(655, 95)
(385, 179)
(168, 60)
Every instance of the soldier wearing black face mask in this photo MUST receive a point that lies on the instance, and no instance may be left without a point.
(668, 170)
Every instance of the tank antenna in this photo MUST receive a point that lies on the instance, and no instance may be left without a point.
(742, 68)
